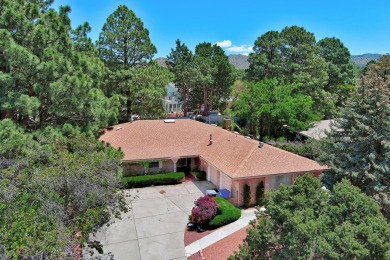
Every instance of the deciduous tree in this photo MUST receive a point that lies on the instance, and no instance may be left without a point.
(270, 105)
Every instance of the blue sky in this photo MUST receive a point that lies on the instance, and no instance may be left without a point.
(363, 26)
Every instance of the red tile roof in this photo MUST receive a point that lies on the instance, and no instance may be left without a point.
(233, 154)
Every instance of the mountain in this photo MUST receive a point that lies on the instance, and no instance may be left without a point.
(161, 62)
(239, 61)
(362, 60)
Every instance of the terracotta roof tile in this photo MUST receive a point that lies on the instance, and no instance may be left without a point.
(233, 154)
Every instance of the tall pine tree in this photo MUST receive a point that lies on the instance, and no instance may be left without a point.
(358, 147)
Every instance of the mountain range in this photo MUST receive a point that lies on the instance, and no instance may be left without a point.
(240, 61)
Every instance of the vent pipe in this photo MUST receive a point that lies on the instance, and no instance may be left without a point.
(211, 139)
(261, 144)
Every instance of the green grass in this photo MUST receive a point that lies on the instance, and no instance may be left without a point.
(229, 213)
(149, 180)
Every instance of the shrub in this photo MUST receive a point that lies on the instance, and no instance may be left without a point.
(155, 179)
(260, 194)
(200, 119)
(205, 209)
(228, 213)
(247, 196)
(200, 175)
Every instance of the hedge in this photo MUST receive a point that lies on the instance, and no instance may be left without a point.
(228, 213)
(149, 180)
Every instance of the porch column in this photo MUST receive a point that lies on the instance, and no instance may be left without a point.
(266, 184)
(174, 160)
(208, 172)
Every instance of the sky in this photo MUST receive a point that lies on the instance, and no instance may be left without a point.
(363, 26)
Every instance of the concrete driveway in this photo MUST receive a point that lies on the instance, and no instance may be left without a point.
(154, 227)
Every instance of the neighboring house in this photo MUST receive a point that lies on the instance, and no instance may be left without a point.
(230, 160)
(318, 131)
(171, 102)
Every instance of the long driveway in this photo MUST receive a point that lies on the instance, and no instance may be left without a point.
(154, 227)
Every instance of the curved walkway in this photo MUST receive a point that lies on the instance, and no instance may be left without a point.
(246, 216)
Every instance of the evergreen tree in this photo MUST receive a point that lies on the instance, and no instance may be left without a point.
(55, 189)
(45, 77)
(180, 63)
(293, 57)
(124, 42)
(358, 147)
(265, 61)
(340, 69)
(303, 221)
(215, 74)
(125, 47)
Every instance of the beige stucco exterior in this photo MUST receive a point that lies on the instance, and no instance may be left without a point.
(217, 177)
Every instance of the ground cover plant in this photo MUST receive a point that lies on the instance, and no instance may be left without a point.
(228, 213)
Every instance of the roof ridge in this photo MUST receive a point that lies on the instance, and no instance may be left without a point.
(245, 159)
(294, 154)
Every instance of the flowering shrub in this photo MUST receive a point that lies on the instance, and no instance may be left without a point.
(205, 209)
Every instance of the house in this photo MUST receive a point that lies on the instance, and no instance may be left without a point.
(318, 130)
(229, 159)
(171, 102)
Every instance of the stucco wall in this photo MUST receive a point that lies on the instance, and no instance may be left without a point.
(133, 169)
(214, 176)
(226, 182)
(202, 165)
(238, 191)
(167, 166)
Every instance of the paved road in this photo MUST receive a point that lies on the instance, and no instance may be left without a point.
(154, 227)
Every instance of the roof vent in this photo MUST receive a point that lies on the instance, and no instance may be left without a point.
(118, 128)
(261, 144)
(169, 120)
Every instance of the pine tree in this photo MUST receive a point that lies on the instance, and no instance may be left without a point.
(47, 77)
(124, 42)
(303, 221)
(358, 147)
(180, 63)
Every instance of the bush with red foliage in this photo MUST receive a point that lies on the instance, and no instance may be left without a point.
(204, 211)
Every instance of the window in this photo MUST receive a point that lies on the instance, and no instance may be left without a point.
(153, 165)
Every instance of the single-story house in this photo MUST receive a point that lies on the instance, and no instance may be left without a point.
(229, 159)
(318, 130)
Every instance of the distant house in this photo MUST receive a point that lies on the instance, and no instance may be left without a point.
(230, 160)
(171, 102)
(318, 131)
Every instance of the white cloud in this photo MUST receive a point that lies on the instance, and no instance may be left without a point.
(225, 43)
(228, 46)
(242, 48)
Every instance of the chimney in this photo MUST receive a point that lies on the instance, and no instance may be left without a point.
(211, 139)
(261, 144)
